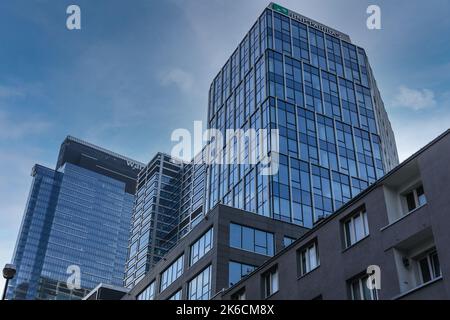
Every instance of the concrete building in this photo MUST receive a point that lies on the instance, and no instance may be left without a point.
(225, 246)
(400, 225)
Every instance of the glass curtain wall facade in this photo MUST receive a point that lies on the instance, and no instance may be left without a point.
(74, 217)
(168, 204)
(77, 218)
(317, 88)
(312, 84)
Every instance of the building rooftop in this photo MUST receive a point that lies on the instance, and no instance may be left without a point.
(310, 22)
(97, 159)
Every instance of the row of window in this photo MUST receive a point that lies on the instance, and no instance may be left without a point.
(353, 157)
(359, 289)
(241, 237)
(197, 285)
(250, 239)
(294, 39)
(308, 87)
(355, 228)
(428, 267)
(199, 288)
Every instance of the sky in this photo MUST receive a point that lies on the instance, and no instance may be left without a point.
(137, 70)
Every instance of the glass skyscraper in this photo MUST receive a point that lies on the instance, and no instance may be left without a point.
(76, 216)
(169, 203)
(317, 89)
(311, 83)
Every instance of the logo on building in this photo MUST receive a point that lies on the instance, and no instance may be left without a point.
(309, 22)
(135, 165)
(280, 9)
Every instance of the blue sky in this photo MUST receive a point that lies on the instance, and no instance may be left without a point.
(140, 69)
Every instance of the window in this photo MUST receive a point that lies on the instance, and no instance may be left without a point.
(301, 193)
(317, 46)
(172, 273)
(201, 246)
(334, 55)
(251, 239)
(176, 296)
(429, 266)
(282, 33)
(350, 62)
(270, 280)
(308, 258)
(415, 198)
(360, 291)
(300, 41)
(322, 192)
(348, 100)
(364, 155)
(294, 87)
(363, 67)
(260, 81)
(265, 24)
(237, 271)
(287, 241)
(275, 74)
(341, 188)
(379, 168)
(366, 111)
(327, 143)
(331, 105)
(356, 228)
(200, 286)
(417, 261)
(313, 95)
(148, 293)
(281, 203)
(240, 295)
(308, 137)
(346, 149)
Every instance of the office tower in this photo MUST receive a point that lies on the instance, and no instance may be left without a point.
(77, 218)
(396, 232)
(316, 87)
(169, 202)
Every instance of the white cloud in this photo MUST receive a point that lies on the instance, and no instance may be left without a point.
(11, 130)
(413, 134)
(7, 92)
(416, 99)
(180, 78)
